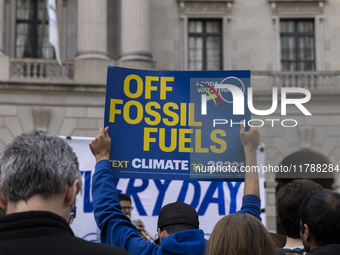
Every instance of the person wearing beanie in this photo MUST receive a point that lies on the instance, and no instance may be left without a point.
(178, 224)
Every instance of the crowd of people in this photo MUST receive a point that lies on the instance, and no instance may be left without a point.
(40, 178)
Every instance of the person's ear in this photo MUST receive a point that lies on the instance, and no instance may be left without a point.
(159, 234)
(306, 234)
(162, 234)
(3, 200)
(71, 193)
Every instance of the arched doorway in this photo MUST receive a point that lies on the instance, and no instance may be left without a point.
(302, 158)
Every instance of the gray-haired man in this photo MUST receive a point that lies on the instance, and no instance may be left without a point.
(40, 179)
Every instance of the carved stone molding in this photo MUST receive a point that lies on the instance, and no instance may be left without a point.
(41, 117)
(305, 135)
(288, 7)
(196, 7)
(295, 1)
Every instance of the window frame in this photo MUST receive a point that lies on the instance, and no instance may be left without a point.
(34, 23)
(282, 9)
(296, 35)
(213, 9)
(204, 35)
(66, 27)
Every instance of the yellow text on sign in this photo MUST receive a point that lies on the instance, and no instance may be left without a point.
(184, 114)
(136, 81)
(180, 140)
(119, 163)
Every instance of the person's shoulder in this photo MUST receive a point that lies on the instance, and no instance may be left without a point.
(87, 247)
(329, 249)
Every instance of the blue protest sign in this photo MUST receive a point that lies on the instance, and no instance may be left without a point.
(176, 124)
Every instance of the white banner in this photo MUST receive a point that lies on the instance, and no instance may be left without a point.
(212, 200)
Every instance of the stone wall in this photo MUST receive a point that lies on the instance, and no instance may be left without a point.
(58, 110)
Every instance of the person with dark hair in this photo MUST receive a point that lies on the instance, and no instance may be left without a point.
(125, 203)
(124, 197)
(39, 181)
(289, 201)
(320, 223)
(176, 217)
(240, 234)
(178, 225)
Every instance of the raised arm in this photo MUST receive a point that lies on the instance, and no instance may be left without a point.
(250, 141)
(251, 196)
(116, 228)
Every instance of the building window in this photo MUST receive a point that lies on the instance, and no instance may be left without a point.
(297, 45)
(32, 30)
(205, 44)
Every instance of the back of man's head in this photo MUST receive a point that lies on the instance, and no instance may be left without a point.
(321, 213)
(177, 217)
(290, 199)
(37, 163)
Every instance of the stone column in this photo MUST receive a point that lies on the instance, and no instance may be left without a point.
(92, 29)
(136, 35)
(2, 25)
(4, 59)
(92, 59)
(271, 204)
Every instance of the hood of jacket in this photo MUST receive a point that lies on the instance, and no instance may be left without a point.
(189, 242)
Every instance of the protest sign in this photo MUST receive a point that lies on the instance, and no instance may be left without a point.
(212, 200)
(180, 125)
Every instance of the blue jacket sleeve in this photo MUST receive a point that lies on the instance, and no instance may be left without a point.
(116, 228)
(251, 204)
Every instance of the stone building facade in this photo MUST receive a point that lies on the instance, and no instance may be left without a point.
(36, 93)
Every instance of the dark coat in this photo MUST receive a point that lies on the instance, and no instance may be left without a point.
(41, 232)
(330, 249)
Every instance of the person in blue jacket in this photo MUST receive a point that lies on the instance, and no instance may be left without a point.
(178, 225)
